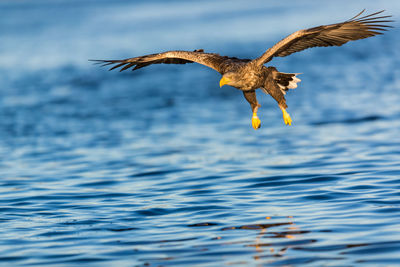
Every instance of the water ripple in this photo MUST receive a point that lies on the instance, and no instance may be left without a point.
(160, 167)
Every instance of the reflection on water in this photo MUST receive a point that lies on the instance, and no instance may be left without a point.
(265, 233)
(161, 167)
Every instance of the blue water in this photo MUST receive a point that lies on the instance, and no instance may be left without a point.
(161, 167)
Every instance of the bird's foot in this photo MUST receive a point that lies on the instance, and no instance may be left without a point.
(255, 121)
(286, 117)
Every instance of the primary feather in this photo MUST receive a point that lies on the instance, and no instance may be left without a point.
(328, 35)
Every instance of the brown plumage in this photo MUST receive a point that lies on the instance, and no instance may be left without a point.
(248, 75)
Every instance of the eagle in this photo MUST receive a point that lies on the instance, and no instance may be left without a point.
(248, 75)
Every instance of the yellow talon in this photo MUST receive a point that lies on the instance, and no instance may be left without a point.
(286, 117)
(255, 121)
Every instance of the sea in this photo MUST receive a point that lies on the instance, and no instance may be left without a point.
(161, 167)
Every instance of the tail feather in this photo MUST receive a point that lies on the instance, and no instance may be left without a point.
(286, 81)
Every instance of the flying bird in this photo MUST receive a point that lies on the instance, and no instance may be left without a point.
(248, 75)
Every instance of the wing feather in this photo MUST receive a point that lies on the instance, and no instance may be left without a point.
(214, 61)
(328, 35)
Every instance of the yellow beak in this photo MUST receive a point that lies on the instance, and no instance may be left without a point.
(223, 81)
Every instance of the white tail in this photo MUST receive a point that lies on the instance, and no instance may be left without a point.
(286, 81)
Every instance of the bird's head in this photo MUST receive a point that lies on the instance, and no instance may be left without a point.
(229, 78)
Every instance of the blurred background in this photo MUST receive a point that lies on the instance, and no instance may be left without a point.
(161, 166)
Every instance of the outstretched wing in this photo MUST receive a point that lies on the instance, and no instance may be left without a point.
(328, 35)
(214, 61)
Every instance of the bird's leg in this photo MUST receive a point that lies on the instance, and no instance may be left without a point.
(286, 116)
(251, 98)
(255, 121)
(278, 95)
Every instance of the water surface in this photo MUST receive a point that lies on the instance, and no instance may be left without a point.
(162, 167)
